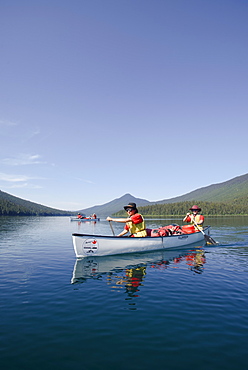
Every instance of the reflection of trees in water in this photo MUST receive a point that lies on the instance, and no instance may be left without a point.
(227, 221)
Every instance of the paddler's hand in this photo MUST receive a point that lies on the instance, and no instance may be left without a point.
(109, 218)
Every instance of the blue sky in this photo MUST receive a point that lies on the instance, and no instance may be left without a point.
(105, 97)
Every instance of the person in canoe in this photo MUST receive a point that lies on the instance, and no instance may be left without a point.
(79, 215)
(135, 223)
(195, 218)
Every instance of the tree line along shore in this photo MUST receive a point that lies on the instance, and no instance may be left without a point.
(10, 209)
(237, 207)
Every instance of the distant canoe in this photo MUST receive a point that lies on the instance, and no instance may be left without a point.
(84, 219)
(100, 245)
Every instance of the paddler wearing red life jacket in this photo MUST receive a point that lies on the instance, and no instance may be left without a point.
(195, 218)
(135, 223)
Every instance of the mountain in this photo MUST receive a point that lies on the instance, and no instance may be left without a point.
(233, 190)
(115, 205)
(222, 192)
(12, 206)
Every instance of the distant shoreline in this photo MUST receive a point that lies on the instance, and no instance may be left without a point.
(208, 215)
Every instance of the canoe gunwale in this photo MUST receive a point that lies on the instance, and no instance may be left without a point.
(137, 237)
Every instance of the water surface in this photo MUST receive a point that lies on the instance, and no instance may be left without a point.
(175, 309)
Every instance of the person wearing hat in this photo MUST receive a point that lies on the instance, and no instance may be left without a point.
(135, 223)
(195, 218)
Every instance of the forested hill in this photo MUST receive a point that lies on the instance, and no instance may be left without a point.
(238, 207)
(222, 192)
(230, 197)
(14, 206)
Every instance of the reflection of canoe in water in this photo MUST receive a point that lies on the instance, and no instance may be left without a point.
(94, 267)
(84, 219)
(100, 245)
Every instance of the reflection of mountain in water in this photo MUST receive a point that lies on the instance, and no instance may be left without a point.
(129, 270)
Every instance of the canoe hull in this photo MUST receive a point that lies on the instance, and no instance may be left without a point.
(100, 245)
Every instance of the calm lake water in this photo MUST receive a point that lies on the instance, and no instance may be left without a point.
(179, 309)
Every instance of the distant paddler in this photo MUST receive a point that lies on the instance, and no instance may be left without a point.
(79, 216)
(135, 223)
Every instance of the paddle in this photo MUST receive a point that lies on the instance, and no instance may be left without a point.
(112, 228)
(207, 238)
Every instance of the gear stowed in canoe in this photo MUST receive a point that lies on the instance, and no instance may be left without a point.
(104, 245)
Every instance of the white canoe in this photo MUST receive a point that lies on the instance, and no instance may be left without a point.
(102, 245)
(84, 219)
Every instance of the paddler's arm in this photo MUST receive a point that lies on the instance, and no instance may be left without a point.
(185, 218)
(123, 232)
(123, 220)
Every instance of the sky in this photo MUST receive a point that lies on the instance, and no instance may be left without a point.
(99, 98)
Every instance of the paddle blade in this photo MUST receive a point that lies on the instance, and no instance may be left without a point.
(210, 240)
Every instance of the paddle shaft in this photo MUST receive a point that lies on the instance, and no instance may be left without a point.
(112, 228)
(207, 237)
